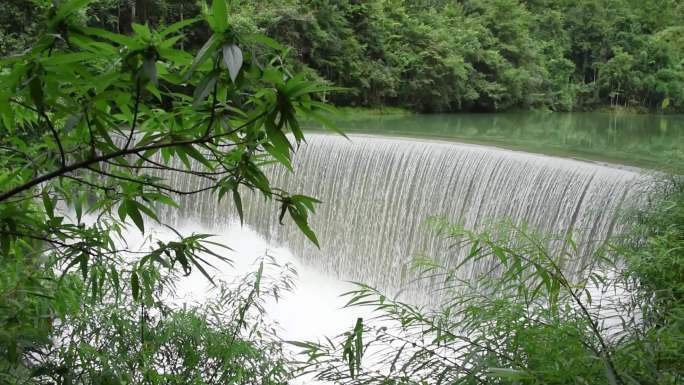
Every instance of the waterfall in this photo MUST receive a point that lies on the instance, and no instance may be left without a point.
(378, 191)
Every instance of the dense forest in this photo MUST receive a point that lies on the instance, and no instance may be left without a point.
(437, 56)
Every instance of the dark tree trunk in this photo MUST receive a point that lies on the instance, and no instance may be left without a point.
(131, 11)
(126, 14)
(142, 10)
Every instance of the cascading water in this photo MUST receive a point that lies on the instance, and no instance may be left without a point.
(378, 191)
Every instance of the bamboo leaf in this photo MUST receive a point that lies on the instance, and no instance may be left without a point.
(219, 12)
(67, 58)
(111, 36)
(48, 204)
(238, 204)
(301, 222)
(69, 7)
(177, 26)
(203, 89)
(202, 55)
(508, 374)
(131, 209)
(232, 59)
(135, 285)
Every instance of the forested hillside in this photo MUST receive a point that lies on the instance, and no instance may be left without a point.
(475, 55)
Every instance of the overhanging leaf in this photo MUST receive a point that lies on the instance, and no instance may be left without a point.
(131, 209)
(69, 7)
(219, 12)
(203, 89)
(201, 56)
(238, 204)
(302, 222)
(232, 59)
(177, 26)
(506, 373)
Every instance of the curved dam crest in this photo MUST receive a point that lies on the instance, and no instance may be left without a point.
(377, 193)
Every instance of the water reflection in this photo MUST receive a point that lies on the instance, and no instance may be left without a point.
(650, 141)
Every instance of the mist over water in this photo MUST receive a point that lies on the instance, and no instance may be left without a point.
(310, 310)
(377, 193)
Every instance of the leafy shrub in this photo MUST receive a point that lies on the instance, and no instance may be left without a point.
(529, 316)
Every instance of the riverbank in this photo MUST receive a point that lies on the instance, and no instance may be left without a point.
(352, 112)
(646, 141)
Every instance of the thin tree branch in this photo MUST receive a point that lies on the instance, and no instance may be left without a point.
(136, 109)
(122, 152)
(93, 152)
(157, 186)
(24, 105)
(94, 185)
(212, 117)
(55, 135)
(201, 174)
(38, 238)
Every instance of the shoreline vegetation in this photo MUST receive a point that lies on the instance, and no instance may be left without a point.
(349, 112)
(440, 56)
(617, 322)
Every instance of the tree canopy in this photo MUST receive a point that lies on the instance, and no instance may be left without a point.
(478, 55)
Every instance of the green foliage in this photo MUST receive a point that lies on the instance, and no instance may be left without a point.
(226, 339)
(476, 55)
(514, 312)
(92, 123)
(655, 255)
(655, 264)
(20, 22)
(486, 54)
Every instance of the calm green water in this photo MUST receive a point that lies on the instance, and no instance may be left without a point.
(649, 141)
